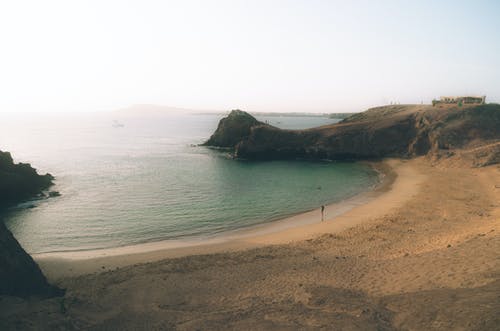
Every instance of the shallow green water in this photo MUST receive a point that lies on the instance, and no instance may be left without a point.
(146, 181)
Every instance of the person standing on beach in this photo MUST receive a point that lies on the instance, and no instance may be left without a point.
(322, 213)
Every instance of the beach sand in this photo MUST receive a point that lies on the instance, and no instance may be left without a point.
(347, 213)
(421, 252)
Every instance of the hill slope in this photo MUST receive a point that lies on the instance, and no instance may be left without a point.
(389, 131)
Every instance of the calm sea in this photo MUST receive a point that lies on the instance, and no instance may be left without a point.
(147, 180)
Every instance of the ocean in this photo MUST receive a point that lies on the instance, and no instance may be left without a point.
(129, 180)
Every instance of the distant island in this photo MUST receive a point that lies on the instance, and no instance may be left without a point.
(287, 114)
(158, 111)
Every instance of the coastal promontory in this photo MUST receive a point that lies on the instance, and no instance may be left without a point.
(390, 131)
(232, 129)
(20, 181)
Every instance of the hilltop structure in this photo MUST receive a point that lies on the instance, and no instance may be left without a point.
(481, 100)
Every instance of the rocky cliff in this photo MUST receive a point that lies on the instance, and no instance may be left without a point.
(232, 129)
(390, 131)
(19, 181)
(19, 274)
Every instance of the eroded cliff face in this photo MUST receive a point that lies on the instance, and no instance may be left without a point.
(391, 131)
(19, 274)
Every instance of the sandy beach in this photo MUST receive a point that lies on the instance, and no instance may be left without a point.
(337, 217)
(420, 252)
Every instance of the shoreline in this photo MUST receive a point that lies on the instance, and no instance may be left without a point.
(396, 177)
(305, 217)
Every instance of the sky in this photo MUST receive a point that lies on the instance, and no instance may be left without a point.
(304, 56)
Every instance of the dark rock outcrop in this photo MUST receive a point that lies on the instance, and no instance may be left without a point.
(20, 181)
(19, 274)
(232, 129)
(390, 131)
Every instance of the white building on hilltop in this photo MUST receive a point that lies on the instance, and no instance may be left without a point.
(466, 99)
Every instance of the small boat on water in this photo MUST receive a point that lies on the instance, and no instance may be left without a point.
(117, 124)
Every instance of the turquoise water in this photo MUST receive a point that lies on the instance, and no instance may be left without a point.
(148, 181)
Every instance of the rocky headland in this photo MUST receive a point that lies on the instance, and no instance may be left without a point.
(20, 181)
(232, 129)
(19, 274)
(390, 131)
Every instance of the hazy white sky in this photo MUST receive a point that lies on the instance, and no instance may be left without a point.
(254, 55)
